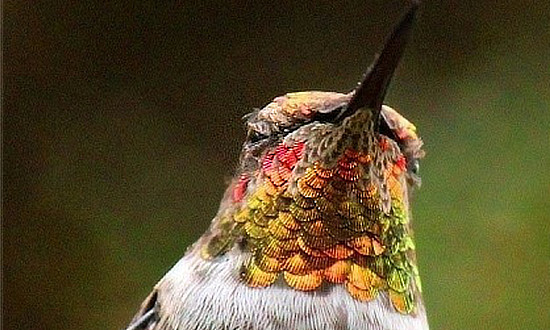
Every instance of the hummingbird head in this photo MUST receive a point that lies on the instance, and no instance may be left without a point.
(322, 193)
(326, 125)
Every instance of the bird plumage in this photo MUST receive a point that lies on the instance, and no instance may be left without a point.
(314, 231)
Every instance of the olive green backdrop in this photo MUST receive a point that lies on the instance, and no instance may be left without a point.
(122, 125)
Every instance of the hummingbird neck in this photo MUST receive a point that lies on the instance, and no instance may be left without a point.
(342, 222)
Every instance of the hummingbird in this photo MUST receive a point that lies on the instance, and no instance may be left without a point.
(314, 230)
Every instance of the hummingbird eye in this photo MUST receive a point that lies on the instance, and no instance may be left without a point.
(414, 166)
(255, 136)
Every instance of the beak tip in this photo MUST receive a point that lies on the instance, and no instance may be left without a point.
(372, 89)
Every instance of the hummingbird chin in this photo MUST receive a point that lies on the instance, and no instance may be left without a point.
(314, 231)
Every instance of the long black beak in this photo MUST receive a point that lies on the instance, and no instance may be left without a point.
(371, 91)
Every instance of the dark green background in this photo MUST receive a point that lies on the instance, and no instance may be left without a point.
(122, 125)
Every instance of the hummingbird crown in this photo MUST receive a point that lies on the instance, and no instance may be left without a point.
(322, 193)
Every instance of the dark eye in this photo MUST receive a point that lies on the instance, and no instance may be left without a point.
(414, 166)
(255, 136)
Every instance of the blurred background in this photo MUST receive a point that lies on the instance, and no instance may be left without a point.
(122, 125)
